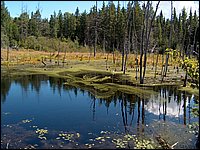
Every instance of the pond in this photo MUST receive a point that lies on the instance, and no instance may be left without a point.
(38, 111)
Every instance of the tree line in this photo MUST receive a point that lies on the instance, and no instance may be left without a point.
(105, 27)
(136, 28)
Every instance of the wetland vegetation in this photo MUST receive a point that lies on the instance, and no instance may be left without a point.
(67, 84)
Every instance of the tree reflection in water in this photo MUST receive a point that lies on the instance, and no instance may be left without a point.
(135, 112)
(169, 102)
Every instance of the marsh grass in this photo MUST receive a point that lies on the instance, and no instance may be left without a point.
(91, 74)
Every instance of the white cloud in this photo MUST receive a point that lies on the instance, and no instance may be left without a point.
(172, 109)
(165, 6)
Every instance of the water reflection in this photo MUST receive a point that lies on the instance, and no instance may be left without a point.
(68, 108)
(5, 87)
(168, 104)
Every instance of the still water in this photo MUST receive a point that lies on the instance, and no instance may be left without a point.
(36, 102)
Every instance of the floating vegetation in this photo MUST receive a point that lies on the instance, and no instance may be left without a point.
(100, 138)
(41, 133)
(30, 147)
(144, 144)
(78, 135)
(89, 145)
(129, 137)
(42, 137)
(120, 143)
(26, 121)
(67, 136)
(104, 132)
(194, 126)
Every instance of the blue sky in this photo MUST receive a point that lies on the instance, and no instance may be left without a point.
(48, 7)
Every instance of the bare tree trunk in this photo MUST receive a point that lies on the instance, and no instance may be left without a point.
(166, 65)
(43, 62)
(125, 60)
(127, 50)
(141, 55)
(170, 43)
(58, 52)
(141, 47)
(64, 56)
(136, 59)
(153, 64)
(95, 44)
(8, 49)
(146, 39)
(123, 52)
(52, 48)
(113, 53)
(153, 56)
(90, 48)
(134, 35)
(107, 61)
(148, 36)
(156, 65)
(50, 57)
(162, 67)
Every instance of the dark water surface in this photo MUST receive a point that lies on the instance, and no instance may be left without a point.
(50, 105)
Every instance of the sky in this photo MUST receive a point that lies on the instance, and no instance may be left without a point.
(48, 7)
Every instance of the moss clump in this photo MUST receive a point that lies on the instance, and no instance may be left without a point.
(190, 90)
(140, 92)
(99, 82)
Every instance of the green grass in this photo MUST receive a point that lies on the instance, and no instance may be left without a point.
(190, 90)
(94, 77)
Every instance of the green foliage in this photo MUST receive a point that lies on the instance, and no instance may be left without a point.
(110, 22)
(190, 65)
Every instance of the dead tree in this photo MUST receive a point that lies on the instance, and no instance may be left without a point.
(58, 52)
(95, 41)
(127, 40)
(43, 62)
(170, 43)
(148, 37)
(123, 52)
(135, 36)
(156, 65)
(64, 56)
(145, 26)
(142, 44)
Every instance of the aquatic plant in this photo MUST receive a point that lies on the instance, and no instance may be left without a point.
(41, 133)
(26, 121)
(120, 143)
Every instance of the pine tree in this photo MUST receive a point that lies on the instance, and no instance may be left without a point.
(184, 17)
(53, 23)
(5, 25)
(82, 28)
(60, 24)
(77, 20)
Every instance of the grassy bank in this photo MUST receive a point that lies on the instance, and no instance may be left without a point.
(97, 74)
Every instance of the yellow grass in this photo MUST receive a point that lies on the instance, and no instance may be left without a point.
(34, 57)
